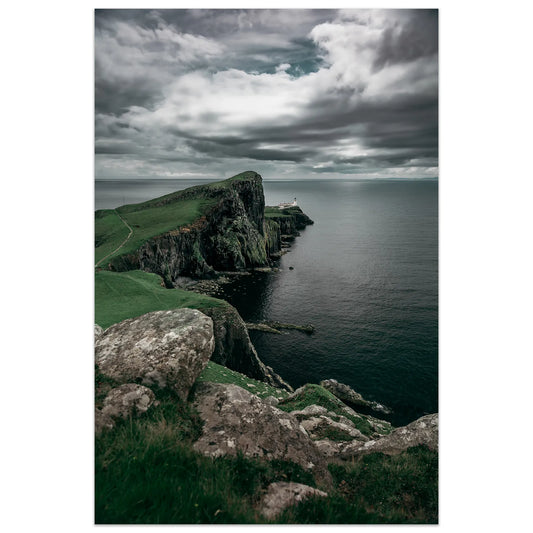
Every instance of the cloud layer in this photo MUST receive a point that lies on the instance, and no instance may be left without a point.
(289, 93)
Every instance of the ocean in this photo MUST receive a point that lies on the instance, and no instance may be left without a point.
(365, 275)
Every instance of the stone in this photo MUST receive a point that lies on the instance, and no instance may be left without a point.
(349, 396)
(98, 330)
(282, 494)
(237, 420)
(102, 421)
(271, 400)
(128, 400)
(319, 426)
(168, 349)
(424, 430)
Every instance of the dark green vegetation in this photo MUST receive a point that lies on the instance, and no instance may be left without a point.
(122, 295)
(146, 472)
(316, 395)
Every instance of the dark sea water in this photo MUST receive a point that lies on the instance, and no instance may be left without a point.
(365, 275)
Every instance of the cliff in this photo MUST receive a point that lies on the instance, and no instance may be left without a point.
(226, 230)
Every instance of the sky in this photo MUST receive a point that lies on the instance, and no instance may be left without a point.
(291, 94)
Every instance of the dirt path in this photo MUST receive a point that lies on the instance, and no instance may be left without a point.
(125, 240)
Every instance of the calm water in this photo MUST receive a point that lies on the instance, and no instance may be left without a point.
(365, 275)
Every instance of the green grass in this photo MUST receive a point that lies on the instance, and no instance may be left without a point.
(220, 374)
(317, 395)
(156, 217)
(146, 222)
(122, 295)
(110, 232)
(275, 212)
(146, 472)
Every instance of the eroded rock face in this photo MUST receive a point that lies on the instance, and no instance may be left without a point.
(425, 430)
(235, 419)
(234, 349)
(281, 495)
(128, 400)
(164, 348)
(344, 392)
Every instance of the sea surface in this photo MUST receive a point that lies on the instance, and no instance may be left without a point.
(365, 275)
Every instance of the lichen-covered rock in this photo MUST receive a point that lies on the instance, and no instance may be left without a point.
(128, 400)
(282, 494)
(350, 397)
(323, 426)
(236, 420)
(164, 348)
(98, 330)
(102, 421)
(425, 430)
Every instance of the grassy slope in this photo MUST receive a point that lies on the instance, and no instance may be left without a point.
(122, 295)
(110, 232)
(156, 216)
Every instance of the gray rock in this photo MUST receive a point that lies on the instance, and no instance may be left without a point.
(310, 410)
(102, 422)
(98, 330)
(281, 495)
(425, 430)
(166, 348)
(128, 400)
(236, 420)
(271, 400)
(348, 395)
(317, 426)
(344, 392)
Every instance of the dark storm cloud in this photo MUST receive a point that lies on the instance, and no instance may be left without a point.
(416, 37)
(315, 91)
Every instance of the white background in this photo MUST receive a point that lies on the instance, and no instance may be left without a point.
(47, 262)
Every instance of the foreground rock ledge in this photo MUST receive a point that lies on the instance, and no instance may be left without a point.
(236, 420)
(424, 430)
(164, 348)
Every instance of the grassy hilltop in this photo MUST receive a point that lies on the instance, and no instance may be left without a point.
(155, 217)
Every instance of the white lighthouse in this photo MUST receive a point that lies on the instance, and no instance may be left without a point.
(285, 205)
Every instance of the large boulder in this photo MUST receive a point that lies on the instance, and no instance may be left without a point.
(236, 420)
(282, 494)
(424, 430)
(164, 348)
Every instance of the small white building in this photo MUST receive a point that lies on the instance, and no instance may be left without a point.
(285, 205)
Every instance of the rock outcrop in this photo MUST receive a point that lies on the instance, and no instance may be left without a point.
(236, 420)
(281, 495)
(128, 400)
(424, 430)
(164, 348)
(234, 349)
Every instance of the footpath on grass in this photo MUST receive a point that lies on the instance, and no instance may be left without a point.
(123, 243)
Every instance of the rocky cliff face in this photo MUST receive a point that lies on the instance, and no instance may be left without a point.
(229, 236)
(232, 235)
(234, 349)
